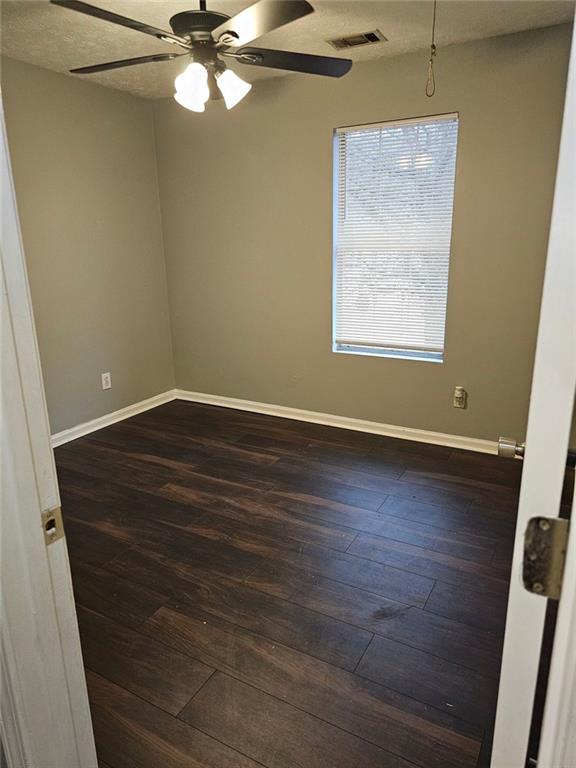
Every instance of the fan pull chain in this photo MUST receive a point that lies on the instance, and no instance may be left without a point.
(431, 81)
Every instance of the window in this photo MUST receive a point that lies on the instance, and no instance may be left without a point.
(394, 191)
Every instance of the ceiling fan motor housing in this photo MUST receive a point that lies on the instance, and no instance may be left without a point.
(197, 25)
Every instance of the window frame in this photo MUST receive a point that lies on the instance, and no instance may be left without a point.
(390, 352)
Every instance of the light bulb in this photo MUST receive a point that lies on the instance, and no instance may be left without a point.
(192, 90)
(193, 104)
(232, 87)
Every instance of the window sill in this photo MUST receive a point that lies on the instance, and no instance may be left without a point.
(398, 354)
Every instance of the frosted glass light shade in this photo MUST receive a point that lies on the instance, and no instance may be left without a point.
(232, 87)
(191, 103)
(192, 90)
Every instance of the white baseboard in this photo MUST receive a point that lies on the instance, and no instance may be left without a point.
(343, 422)
(283, 412)
(59, 438)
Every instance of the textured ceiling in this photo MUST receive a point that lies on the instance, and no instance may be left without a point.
(55, 38)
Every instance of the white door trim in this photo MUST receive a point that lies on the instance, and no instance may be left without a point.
(558, 738)
(42, 662)
(549, 422)
(13, 741)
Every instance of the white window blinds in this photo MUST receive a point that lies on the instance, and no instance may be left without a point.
(394, 187)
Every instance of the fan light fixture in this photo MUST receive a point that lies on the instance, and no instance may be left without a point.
(208, 37)
(193, 91)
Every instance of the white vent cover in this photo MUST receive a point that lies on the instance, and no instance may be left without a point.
(364, 38)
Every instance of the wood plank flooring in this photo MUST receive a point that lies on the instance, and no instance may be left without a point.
(255, 591)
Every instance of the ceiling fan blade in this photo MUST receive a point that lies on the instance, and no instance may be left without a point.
(295, 62)
(258, 19)
(126, 63)
(123, 21)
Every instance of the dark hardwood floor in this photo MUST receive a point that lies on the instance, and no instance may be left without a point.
(254, 591)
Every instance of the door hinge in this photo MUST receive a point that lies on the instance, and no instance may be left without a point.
(52, 525)
(545, 543)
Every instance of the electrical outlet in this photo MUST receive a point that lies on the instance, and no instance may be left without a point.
(460, 398)
(106, 381)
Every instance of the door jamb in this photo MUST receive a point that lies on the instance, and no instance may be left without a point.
(50, 697)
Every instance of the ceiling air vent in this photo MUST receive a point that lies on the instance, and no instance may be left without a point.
(365, 38)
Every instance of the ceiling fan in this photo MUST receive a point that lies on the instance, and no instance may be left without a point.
(208, 36)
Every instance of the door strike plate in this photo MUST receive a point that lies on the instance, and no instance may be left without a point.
(52, 525)
(545, 543)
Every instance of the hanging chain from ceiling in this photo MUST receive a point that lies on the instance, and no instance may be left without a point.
(431, 81)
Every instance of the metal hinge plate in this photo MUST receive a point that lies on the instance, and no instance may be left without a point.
(545, 543)
(52, 525)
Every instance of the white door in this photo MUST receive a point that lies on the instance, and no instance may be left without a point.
(551, 407)
(45, 719)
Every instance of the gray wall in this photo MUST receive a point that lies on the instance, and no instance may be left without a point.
(246, 232)
(246, 205)
(85, 174)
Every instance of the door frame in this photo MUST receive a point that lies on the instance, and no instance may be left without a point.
(547, 441)
(45, 711)
(558, 738)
